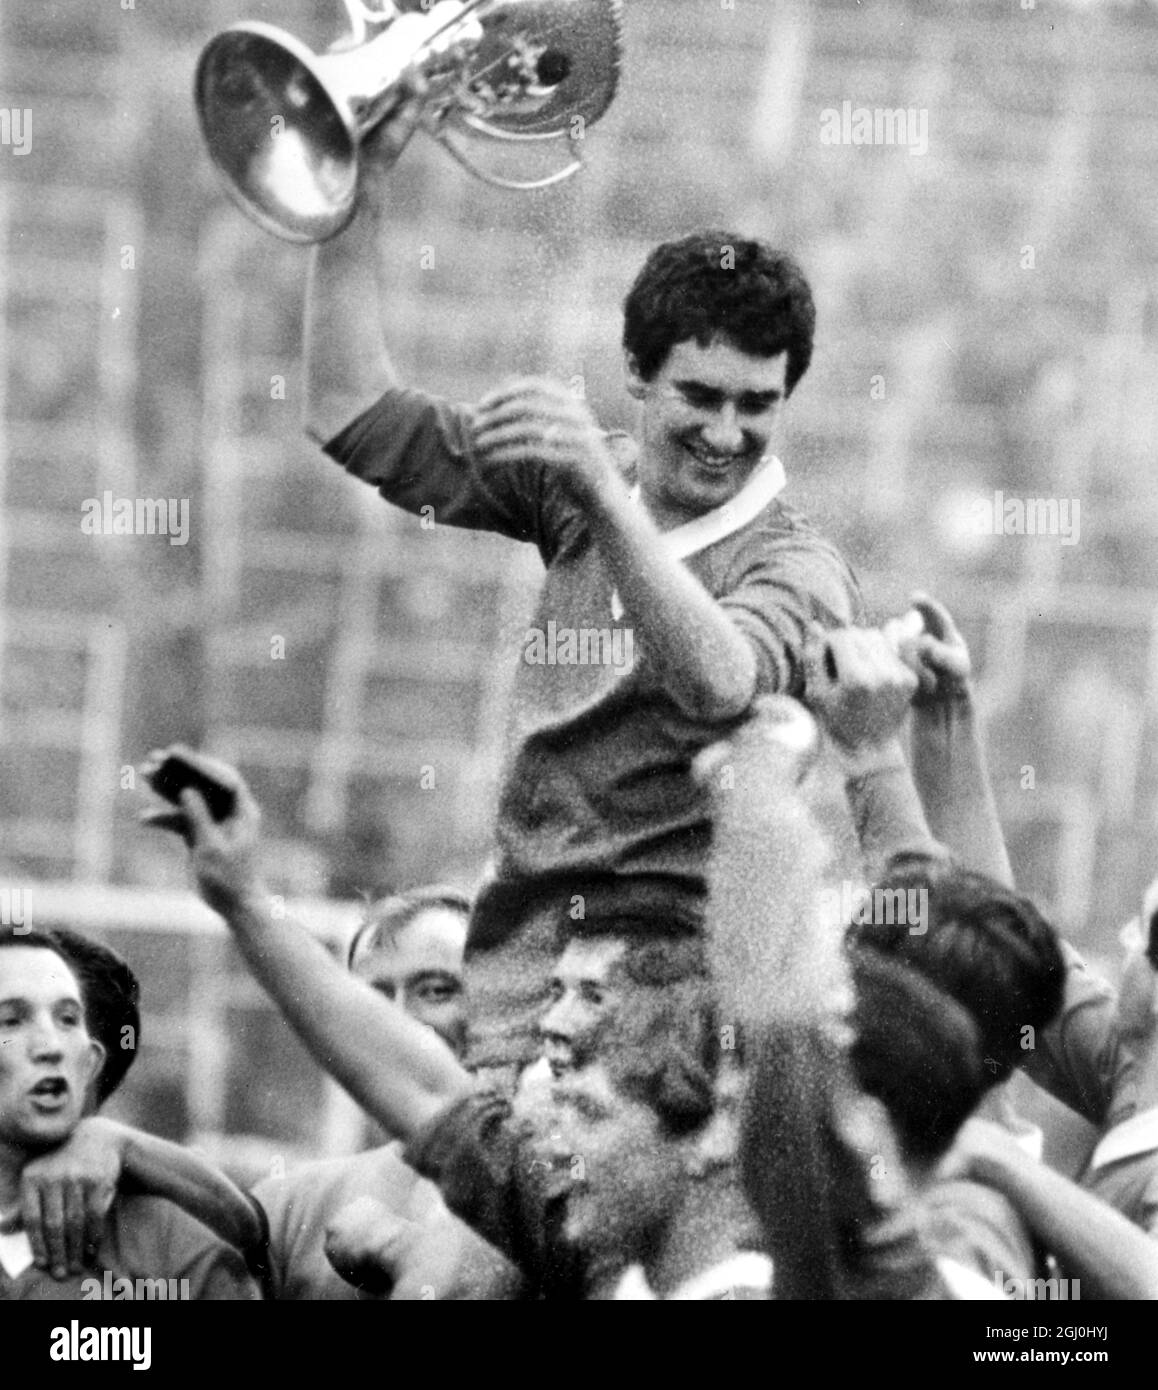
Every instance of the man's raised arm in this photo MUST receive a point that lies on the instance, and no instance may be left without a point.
(346, 363)
(399, 1071)
(708, 665)
(859, 690)
(948, 757)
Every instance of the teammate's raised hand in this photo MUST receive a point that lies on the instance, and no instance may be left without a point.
(857, 686)
(382, 145)
(537, 420)
(940, 657)
(223, 852)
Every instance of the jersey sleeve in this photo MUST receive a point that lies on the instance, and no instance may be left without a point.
(476, 1152)
(977, 1227)
(1079, 1059)
(472, 1153)
(1129, 1185)
(781, 588)
(416, 450)
(216, 1272)
(159, 1240)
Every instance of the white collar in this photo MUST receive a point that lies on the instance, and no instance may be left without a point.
(15, 1253)
(1137, 1135)
(766, 482)
(747, 1270)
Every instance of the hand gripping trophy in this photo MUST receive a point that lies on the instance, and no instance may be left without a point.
(284, 125)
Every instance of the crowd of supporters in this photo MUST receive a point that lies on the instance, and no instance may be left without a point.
(785, 1105)
(735, 1010)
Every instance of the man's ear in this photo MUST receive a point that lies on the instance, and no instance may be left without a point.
(636, 386)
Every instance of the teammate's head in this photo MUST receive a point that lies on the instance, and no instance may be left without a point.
(717, 331)
(48, 1059)
(636, 1122)
(718, 286)
(985, 945)
(600, 973)
(918, 1051)
(410, 948)
(112, 1006)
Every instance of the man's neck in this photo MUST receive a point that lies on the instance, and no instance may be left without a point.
(665, 516)
(703, 1232)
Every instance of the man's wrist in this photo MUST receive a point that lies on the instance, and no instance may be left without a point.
(245, 903)
(866, 759)
(956, 701)
(601, 491)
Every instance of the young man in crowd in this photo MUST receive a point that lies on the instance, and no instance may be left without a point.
(407, 1078)
(920, 1052)
(1123, 1169)
(988, 948)
(409, 950)
(648, 1126)
(599, 973)
(49, 1067)
(1098, 1054)
(685, 549)
(483, 1153)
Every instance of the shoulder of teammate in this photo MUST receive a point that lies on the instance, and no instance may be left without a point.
(154, 1238)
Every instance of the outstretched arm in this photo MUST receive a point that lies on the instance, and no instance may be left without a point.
(346, 363)
(1091, 1241)
(66, 1194)
(948, 757)
(399, 1071)
(860, 691)
(707, 664)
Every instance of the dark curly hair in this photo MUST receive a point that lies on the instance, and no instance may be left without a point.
(917, 1050)
(109, 991)
(985, 945)
(112, 996)
(717, 284)
(665, 1052)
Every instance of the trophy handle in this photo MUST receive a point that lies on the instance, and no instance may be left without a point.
(364, 17)
(497, 180)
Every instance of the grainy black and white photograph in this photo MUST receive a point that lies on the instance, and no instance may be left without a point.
(579, 661)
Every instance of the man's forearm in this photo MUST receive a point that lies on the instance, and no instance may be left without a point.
(1093, 1242)
(953, 782)
(707, 664)
(399, 1071)
(885, 808)
(346, 363)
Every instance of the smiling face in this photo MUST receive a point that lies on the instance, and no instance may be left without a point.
(47, 1057)
(708, 419)
(585, 988)
(420, 967)
(627, 1172)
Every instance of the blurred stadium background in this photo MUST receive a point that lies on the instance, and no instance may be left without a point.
(146, 326)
